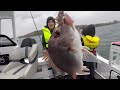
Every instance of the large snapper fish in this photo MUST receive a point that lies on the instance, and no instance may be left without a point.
(65, 52)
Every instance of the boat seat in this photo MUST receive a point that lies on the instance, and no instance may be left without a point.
(23, 61)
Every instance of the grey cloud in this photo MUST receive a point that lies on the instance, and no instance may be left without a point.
(24, 23)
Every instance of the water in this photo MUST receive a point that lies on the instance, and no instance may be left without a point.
(108, 34)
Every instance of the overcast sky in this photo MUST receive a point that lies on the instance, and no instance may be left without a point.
(24, 23)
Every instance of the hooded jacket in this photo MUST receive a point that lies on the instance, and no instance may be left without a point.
(47, 33)
(91, 42)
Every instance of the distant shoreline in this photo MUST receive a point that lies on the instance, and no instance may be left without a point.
(98, 25)
(35, 33)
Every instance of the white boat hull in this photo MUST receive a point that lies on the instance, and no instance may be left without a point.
(104, 70)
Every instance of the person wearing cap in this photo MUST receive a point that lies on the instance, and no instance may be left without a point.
(92, 41)
(89, 38)
(47, 32)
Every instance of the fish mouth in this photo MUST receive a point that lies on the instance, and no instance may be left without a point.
(57, 34)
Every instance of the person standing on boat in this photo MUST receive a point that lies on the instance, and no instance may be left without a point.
(92, 41)
(47, 32)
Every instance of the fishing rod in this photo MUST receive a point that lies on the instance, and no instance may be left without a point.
(36, 26)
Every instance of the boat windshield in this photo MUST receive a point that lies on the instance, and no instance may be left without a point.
(5, 41)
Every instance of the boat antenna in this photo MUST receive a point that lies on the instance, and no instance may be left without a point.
(36, 27)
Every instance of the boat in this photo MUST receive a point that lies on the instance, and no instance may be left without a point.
(33, 67)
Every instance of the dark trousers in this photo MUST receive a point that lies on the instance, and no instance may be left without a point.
(90, 65)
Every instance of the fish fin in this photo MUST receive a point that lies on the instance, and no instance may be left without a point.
(53, 65)
(89, 57)
(85, 47)
(46, 57)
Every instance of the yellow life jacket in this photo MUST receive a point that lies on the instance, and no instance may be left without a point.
(91, 42)
(47, 35)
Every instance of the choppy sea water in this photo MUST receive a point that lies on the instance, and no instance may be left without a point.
(108, 34)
